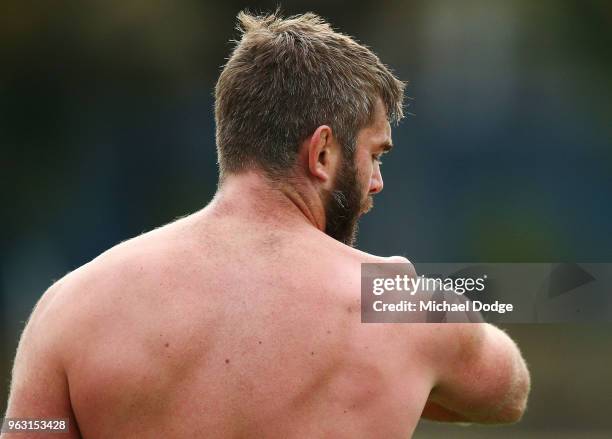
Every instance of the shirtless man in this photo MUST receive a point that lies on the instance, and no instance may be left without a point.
(242, 320)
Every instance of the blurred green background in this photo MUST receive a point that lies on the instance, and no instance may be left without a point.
(106, 131)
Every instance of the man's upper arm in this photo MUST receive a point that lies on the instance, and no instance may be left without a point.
(480, 375)
(39, 386)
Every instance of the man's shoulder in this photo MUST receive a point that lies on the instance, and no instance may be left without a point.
(351, 265)
(133, 258)
(359, 257)
(119, 271)
(113, 266)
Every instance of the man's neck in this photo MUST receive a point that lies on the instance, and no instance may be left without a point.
(252, 195)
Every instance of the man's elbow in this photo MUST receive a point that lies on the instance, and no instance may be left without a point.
(516, 402)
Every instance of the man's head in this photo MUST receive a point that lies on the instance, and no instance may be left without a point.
(289, 81)
(357, 176)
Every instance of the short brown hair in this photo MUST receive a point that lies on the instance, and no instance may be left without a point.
(285, 78)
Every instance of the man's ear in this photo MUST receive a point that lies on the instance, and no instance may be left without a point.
(323, 153)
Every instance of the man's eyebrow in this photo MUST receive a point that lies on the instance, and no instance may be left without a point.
(387, 147)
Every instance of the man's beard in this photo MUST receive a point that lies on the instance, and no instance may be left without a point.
(345, 204)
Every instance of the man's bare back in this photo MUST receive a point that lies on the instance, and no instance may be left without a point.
(218, 327)
(228, 324)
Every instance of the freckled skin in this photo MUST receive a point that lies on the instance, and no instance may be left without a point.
(239, 321)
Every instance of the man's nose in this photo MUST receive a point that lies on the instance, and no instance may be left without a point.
(376, 182)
